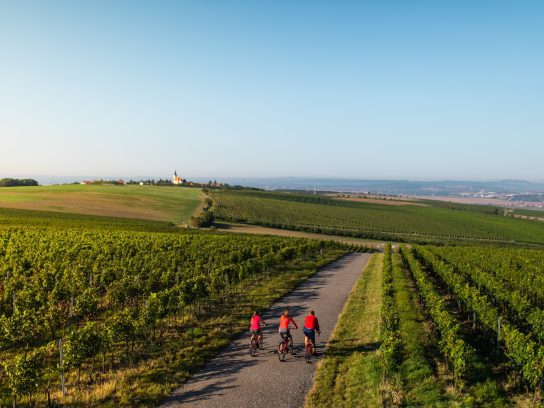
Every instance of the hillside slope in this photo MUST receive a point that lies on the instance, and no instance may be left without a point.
(172, 204)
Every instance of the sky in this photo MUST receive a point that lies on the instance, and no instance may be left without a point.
(417, 90)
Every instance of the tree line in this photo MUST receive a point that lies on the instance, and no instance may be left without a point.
(11, 182)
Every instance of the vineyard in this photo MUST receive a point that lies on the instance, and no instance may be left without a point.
(32, 218)
(109, 317)
(439, 326)
(435, 222)
(485, 306)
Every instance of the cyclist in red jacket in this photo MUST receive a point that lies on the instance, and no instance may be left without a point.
(256, 326)
(284, 329)
(311, 325)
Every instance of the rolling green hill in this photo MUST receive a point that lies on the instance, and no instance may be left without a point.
(167, 204)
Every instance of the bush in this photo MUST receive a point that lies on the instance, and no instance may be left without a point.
(205, 219)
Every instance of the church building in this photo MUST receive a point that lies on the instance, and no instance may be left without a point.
(176, 179)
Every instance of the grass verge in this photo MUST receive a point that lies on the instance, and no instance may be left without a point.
(421, 385)
(350, 373)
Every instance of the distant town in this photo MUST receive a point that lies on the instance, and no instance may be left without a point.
(176, 180)
(513, 200)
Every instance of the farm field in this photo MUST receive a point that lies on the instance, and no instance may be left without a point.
(137, 312)
(419, 331)
(435, 222)
(168, 204)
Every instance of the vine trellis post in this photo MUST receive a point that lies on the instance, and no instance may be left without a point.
(498, 333)
(61, 363)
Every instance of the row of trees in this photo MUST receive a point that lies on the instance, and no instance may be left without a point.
(11, 182)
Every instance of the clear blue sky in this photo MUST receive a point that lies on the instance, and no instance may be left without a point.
(383, 89)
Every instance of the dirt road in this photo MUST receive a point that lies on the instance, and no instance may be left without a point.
(259, 230)
(235, 379)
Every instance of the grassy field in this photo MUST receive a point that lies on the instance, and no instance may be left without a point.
(350, 373)
(167, 204)
(435, 222)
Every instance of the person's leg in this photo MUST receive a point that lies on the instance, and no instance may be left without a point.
(312, 340)
(307, 337)
(282, 333)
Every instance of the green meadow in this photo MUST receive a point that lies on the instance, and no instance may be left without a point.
(167, 204)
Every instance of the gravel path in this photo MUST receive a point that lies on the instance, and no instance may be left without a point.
(235, 379)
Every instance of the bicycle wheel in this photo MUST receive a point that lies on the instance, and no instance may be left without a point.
(308, 352)
(253, 348)
(291, 347)
(281, 351)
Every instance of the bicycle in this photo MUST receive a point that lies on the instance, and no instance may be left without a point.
(256, 344)
(310, 350)
(285, 347)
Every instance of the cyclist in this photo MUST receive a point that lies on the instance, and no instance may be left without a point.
(284, 330)
(311, 326)
(255, 326)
